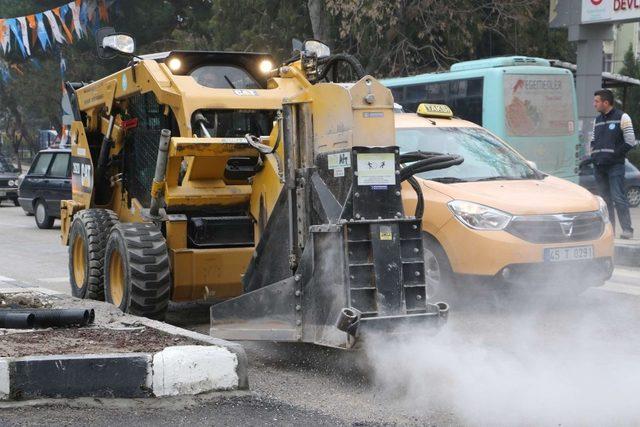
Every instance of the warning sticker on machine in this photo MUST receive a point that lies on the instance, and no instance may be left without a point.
(376, 169)
(339, 160)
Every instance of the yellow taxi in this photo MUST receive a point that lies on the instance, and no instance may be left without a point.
(494, 216)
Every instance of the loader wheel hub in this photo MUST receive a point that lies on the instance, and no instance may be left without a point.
(116, 278)
(79, 261)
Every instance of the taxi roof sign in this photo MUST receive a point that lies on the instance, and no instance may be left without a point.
(434, 110)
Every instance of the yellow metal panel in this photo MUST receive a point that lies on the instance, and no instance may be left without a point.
(210, 147)
(208, 195)
(219, 270)
(176, 234)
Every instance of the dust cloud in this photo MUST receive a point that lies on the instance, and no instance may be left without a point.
(563, 361)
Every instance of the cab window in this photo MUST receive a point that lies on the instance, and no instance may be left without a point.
(224, 77)
(41, 164)
(60, 166)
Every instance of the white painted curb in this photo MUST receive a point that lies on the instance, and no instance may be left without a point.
(193, 369)
(4, 380)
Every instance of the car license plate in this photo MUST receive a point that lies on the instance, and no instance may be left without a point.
(568, 254)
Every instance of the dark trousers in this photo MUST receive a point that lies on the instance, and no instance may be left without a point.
(610, 182)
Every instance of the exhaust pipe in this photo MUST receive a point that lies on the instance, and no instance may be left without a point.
(348, 321)
(443, 310)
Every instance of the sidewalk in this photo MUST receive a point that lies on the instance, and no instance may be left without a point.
(628, 251)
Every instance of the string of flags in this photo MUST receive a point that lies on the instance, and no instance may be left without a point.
(60, 25)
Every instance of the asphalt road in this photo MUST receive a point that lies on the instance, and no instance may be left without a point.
(500, 360)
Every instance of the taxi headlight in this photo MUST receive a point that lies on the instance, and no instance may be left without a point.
(479, 217)
(603, 210)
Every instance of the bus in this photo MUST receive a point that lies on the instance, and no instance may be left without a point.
(525, 101)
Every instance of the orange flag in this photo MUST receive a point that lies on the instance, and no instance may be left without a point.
(64, 25)
(1, 31)
(34, 29)
(104, 13)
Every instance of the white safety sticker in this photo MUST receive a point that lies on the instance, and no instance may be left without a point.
(339, 160)
(245, 92)
(82, 152)
(338, 172)
(376, 169)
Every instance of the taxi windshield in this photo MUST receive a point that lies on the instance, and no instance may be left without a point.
(485, 157)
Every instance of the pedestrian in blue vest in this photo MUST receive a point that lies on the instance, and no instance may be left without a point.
(612, 139)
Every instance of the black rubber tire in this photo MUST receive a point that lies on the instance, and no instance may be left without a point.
(16, 202)
(93, 226)
(444, 287)
(147, 276)
(44, 221)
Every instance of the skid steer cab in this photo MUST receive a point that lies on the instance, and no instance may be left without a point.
(273, 192)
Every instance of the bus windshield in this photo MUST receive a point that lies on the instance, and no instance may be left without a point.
(485, 157)
(539, 105)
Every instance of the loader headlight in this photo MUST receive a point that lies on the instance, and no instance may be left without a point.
(603, 209)
(266, 66)
(479, 217)
(174, 64)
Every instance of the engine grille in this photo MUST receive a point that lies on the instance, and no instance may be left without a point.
(562, 228)
(4, 182)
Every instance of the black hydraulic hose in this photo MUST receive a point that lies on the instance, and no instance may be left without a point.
(333, 60)
(420, 203)
(422, 161)
(11, 319)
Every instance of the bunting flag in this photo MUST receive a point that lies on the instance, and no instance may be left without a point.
(4, 36)
(55, 30)
(34, 31)
(63, 24)
(75, 16)
(25, 34)
(42, 32)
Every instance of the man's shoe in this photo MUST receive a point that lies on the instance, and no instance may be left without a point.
(627, 234)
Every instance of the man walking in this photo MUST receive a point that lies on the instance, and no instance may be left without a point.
(612, 138)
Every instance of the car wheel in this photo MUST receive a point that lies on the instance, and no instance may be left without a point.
(633, 196)
(43, 220)
(438, 272)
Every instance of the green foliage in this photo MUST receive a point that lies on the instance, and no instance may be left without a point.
(390, 37)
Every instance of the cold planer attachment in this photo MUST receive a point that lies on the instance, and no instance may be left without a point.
(361, 268)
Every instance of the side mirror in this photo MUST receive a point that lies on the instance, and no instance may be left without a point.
(532, 164)
(320, 49)
(111, 43)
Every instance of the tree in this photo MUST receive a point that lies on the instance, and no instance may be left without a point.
(631, 68)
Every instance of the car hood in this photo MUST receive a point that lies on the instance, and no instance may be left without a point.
(529, 197)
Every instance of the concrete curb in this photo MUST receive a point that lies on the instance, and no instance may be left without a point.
(215, 366)
(627, 254)
(175, 371)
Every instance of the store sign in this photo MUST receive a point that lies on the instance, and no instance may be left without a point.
(594, 11)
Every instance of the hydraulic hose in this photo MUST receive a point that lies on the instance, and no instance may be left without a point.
(422, 161)
(331, 61)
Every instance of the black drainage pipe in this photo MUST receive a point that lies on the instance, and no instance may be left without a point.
(57, 317)
(14, 320)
